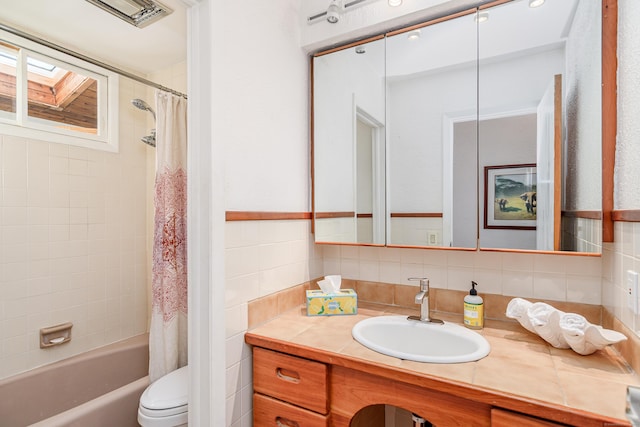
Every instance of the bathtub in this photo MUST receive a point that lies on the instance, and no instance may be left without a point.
(98, 388)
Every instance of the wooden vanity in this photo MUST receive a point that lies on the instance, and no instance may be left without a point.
(309, 371)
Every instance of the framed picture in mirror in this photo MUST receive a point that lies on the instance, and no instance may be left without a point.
(510, 197)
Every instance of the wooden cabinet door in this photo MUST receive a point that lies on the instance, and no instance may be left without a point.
(502, 418)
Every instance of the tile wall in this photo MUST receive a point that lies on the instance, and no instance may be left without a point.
(618, 258)
(550, 277)
(72, 242)
(261, 258)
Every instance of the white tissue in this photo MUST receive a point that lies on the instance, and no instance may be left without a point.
(336, 280)
(561, 330)
(330, 284)
(326, 286)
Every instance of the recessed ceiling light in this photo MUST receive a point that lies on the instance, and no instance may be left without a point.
(394, 3)
(536, 3)
(482, 17)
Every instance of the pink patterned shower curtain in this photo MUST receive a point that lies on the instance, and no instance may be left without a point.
(168, 329)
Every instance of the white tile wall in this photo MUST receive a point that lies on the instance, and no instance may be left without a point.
(618, 258)
(72, 242)
(558, 278)
(261, 258)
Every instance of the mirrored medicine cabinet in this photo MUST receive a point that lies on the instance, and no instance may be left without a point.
(478, 130)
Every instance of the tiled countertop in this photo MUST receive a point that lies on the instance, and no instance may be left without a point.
(521, 365)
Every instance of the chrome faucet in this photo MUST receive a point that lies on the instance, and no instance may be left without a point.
(422, 298)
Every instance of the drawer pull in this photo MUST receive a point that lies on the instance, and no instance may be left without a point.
(288, 375)
(283, 422)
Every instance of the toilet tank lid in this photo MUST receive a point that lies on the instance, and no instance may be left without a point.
(169, 391)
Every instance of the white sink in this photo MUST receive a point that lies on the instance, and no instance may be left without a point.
(419, 341)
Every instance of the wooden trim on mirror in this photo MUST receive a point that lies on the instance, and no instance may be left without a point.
(558, 161)
(347, 46)
(265, 216)
(325, 215)
(416, 215)
(536, 251)
(439, 248)
(492, 4)
(312, 169)
(582, 214)
(364, 215)
(627, 215)
(432, 22)
(609, 111)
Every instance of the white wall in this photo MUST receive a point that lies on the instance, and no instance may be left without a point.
(261, 104)
(627, 195)
(583, 101)
(259, 137)
(372, 18)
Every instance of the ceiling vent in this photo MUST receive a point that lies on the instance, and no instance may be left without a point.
(138, 13)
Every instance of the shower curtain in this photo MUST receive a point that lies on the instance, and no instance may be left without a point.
(168, 329)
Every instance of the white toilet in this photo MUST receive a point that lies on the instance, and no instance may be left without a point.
(164, 403)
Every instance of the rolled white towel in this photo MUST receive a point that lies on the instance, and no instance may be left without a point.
(598, 338)
(517, 309)
(545, 320)
(574, 327)
(584, 337)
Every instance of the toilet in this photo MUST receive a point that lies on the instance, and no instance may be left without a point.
(164, 402)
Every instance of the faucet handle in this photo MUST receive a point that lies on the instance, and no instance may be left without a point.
(424, 282)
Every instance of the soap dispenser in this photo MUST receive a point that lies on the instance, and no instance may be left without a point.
(473, 309)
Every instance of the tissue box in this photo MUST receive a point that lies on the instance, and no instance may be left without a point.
(343, 301)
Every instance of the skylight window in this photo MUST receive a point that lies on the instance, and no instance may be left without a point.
(33, 65)
(40, 67)
(49, 95)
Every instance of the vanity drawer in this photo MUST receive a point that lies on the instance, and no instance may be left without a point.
(293, 379)
(268, 412)
(502, 418)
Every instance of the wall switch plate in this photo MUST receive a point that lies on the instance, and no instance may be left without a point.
(632, 290)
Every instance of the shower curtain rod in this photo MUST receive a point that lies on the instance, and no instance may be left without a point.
(82, 57)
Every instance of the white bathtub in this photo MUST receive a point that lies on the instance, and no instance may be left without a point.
(98, 388)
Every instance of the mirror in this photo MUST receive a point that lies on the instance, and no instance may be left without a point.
(432, 108)
(540, 131)
(492, 129)
(349, 144)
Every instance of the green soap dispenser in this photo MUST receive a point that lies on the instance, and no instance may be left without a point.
(473, 309)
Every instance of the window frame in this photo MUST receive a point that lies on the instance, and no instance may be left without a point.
(21, 124)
